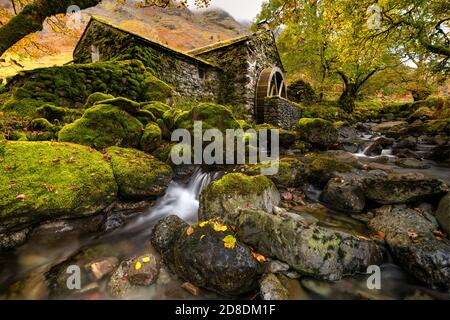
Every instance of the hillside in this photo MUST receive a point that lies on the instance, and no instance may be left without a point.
(179, 28)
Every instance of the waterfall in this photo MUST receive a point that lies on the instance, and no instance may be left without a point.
(180, 199)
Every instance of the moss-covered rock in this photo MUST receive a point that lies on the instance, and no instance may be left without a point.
(24, 107)
(44, 180)
(212, 116)
(145, 116)
(291, 172)
(103, 126)
(41, 124)
(157, 108)
(224, 196)
(322, 169)
(311, 250)
(320, 133)
(138, 174)
(423, 113)
(17, 136)
(152, 137)
(162, 153)
(97, 97)
(62, 114)
(125, 104)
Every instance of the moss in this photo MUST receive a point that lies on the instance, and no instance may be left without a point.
(42, 136)
(152, 137)
(17, 136)
(244, 125)
(41, 180)
(339, 124)
(103, 126)
(322, 169)
(308, 123)
(212, 116)
(423, 113)
(240, 184)
(97, 97)
(291, 172)
(157, 108)
(145, 116)
(53, 113)
(41, 124)
(71, 85)
(162, 153)
(139, 175)
(434, 127)
(24, 107)
(125, 104)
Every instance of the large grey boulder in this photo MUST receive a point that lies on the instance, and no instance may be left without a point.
(310, 249)
(236, 190)
(410, 237)
(206, 255)
(443, 213)
(397, 188)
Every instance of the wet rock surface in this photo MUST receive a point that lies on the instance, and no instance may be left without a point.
(395, 188)
(207, 258)
(411, 239)
(309, 249)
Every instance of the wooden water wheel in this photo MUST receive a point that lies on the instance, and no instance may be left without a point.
(270, 84)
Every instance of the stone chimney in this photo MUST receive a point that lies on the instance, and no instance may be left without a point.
(263, 25)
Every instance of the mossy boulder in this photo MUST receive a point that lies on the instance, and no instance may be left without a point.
(125, 104)
(152, 137)
(46, 180)
(291, 172)
(320, 133)
(392, 128)
(312, 250)
(103, 126)
(139, 175)
(322, 169)
(234, 190)
(154, 89)
(157, 108)
(423, 113)
(62, 114)
(41, 124)
(24, 107)
(212, 116)
(97, 97)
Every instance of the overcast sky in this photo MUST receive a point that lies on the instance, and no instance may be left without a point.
(241, 10)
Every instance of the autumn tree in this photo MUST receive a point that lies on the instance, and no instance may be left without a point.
(29, 16)
(356, 39)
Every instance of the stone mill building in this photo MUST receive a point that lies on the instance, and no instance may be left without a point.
(245, 72)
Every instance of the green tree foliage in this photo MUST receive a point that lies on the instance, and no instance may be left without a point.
(351, 41)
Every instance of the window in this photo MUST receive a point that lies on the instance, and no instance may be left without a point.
(95, 53)
(201, 73)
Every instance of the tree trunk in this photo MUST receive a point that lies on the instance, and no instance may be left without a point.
(32, 16)
(348, 97)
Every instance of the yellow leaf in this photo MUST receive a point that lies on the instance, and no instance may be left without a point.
(146, 259)
(138, 265)
(202, 236)
(219, 227)
(190, 231)
(229, 242)
(203, 223)
(259, 257)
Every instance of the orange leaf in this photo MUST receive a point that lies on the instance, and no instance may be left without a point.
(412, 235)
(362, 238)
(190, 231)
(439, 235)
(259, 257)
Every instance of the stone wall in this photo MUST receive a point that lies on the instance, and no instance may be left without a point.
(190, 77)
(243, 61)
(281, 112)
